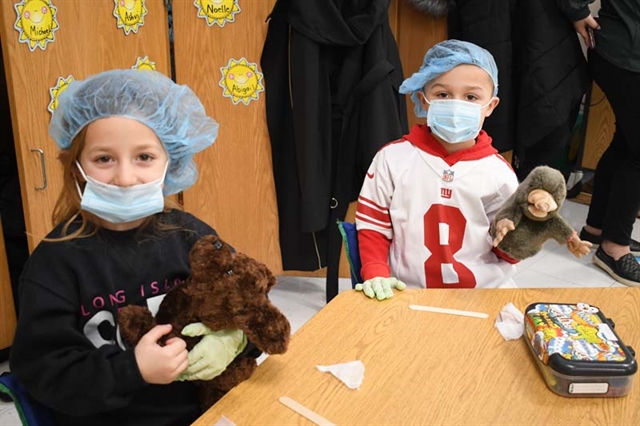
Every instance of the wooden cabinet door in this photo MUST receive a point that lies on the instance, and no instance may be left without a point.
(416, 32)
(235, 192)
(86, 41)
(601, 125)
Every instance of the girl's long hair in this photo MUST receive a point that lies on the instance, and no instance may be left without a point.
(67, 209)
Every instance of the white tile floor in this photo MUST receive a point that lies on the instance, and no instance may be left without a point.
(300, 298)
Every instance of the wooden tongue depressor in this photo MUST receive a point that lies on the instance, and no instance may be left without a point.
(448, 311)
(305, 412)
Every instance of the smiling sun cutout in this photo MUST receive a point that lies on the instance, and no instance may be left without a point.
(144, 64)
(130, 14)
(241, 81)
(217, 11)
(36, 22)
(55, 92)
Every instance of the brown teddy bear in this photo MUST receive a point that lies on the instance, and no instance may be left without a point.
(531, 216)
(226, 290)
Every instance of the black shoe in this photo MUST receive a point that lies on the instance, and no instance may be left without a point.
(625, 270)
(596, 240)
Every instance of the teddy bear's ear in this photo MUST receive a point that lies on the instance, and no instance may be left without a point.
(268, 280)
(210, 256)
(272, 280)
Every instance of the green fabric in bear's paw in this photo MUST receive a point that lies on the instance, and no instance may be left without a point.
(211, 355)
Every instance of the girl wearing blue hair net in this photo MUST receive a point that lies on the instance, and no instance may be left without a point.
(427, 200)
(127, 140)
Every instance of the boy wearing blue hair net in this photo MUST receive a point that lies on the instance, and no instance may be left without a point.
(127, 138)
(427, 200)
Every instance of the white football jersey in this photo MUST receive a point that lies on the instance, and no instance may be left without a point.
(437, 216)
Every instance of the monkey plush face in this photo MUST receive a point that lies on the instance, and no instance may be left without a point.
(532, 215)
(542, 193)
(540, 205)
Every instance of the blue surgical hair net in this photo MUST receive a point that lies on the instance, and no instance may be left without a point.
(443, 57)
(172, 111)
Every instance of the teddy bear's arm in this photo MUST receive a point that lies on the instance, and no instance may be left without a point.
(134, 321)
(266, 327)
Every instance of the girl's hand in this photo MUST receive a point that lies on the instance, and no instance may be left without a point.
(582, 27)
(161, 364)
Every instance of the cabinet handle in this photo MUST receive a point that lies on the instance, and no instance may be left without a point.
(44, 169)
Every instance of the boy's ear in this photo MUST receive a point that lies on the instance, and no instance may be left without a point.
(421, 97)
(492, 105)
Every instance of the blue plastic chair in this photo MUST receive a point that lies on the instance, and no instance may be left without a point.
(31, 412)
(350, 241)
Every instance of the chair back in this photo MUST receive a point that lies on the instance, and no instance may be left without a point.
(31, 412)
(350, 241)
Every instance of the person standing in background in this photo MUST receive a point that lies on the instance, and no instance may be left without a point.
(614, 61)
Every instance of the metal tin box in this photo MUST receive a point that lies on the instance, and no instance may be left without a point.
(578, 351)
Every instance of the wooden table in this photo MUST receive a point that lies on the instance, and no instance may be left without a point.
(425, 368)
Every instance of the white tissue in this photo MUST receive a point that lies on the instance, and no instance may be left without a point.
(510, 322)
(350, 373)
(224, 421)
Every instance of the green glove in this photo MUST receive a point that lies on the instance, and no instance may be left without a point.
(211, 355)
(380, 288)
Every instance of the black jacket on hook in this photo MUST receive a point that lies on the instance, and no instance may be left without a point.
(542, 71)
(331, 72)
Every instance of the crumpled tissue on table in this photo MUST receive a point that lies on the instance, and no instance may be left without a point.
(510, 322)
(350, 373)
(224, 421)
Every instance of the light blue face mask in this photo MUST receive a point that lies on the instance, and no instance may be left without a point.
(454, 120)
(121, 204)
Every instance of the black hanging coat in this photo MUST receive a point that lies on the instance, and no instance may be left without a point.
(542, 73)
(331, 72)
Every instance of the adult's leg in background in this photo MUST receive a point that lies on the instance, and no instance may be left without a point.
(616, 193)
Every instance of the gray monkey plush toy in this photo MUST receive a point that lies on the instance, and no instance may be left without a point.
(531, 216)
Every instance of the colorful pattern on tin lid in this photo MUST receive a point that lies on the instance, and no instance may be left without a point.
(575, 332)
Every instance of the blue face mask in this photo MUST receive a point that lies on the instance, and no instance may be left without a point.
(454, 120)
(121, 204)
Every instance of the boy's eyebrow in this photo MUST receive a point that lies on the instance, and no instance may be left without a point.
(438, 85)
(475, 88)
(446, 86)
